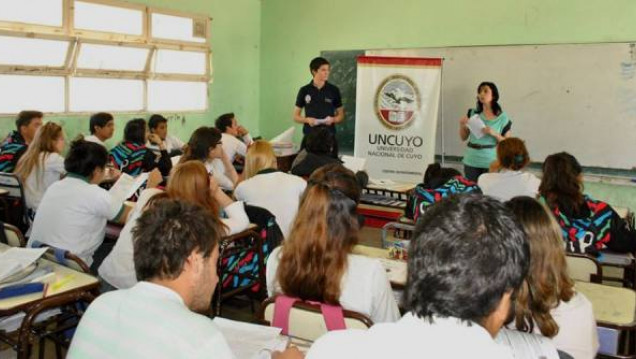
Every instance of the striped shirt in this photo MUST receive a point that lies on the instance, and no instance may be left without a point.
(146, 321)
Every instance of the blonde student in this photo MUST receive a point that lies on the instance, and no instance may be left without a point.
(316, 262)
(42, 164)
(547, 302)
(264, 186)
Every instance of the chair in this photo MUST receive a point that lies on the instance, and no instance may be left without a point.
(584, 268)
(13, 236)
(63, 257)
(615, 314)
(14, 202)
(306, 321)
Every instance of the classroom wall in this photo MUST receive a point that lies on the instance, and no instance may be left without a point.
(235, 43)
(293, 32)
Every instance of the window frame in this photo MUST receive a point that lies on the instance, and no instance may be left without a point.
(77, 37)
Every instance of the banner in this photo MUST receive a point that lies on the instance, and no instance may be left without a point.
(397, 102)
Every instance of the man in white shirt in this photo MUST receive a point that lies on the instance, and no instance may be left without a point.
(467, 258)
(235, 138)
(102, 127)
(175, 254)
(159, 125)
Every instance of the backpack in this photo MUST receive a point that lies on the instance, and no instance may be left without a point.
(422, 198)
(128, 157)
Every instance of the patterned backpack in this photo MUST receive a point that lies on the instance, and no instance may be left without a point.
(421, 198)
(128, 157)
(590, 234)
(10, 150)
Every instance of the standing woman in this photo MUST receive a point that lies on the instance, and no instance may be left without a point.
(480, 152)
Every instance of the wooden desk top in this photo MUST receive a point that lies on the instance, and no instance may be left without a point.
(77, 281)
(612, 305)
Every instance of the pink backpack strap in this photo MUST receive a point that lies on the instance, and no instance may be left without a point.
(282, 307)
(333, 316)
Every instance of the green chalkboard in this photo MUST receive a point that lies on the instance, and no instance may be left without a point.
(344, 75)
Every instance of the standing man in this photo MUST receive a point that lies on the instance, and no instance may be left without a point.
(321, 101)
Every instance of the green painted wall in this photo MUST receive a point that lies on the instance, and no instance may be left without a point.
(235, 43)
(293, 32)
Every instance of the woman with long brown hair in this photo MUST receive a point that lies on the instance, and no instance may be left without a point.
(587, 225)
(189, 182)
(547, 302)
(316, 262)
(42, 164)
(264, 186)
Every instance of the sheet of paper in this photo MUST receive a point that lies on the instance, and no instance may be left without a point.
(286, 136)
(15, 259)
(526, 345)
(355, 164)
(475, 125)
(250, 341)
(126, 186)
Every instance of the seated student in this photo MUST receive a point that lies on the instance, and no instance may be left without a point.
(16, 143)
(547, 302)
(467, 259)
(438, 184)
(205, 146)
(42, 164)
(508, 180)
(268, 188)
(316, 263)
(133, 157)
(189, 182)
(176, 253)
(318, 152)
(159, 125)
(102, 127)
(587, 225)
(235, 138)
(73, 212)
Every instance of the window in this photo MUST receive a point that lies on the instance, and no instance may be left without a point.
(76, 56)
(107, 57)
(48, 13)
(176, 96)
(32, 52)
(94, 94)
(104, 18)
(31, 93)
(180, 62)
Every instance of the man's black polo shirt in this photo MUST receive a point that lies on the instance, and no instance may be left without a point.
(319, 103)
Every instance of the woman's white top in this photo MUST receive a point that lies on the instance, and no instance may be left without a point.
(365, 287)
(216, 168)
(277, 192)
(118, 268)
(577, 335)
(40, 178)
(506, 184)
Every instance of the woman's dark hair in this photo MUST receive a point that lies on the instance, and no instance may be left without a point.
(99, 119)
(155, 120)
(467, 251)
(167, 233)
(513, 154)
(496, 109)
(203, 139)
(435, 175)
(314, 257)
(224, 121)
(135, 131)
(561, 183)
(320, 141)
(84, 157)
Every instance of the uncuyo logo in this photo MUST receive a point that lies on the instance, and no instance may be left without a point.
(396, 101)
